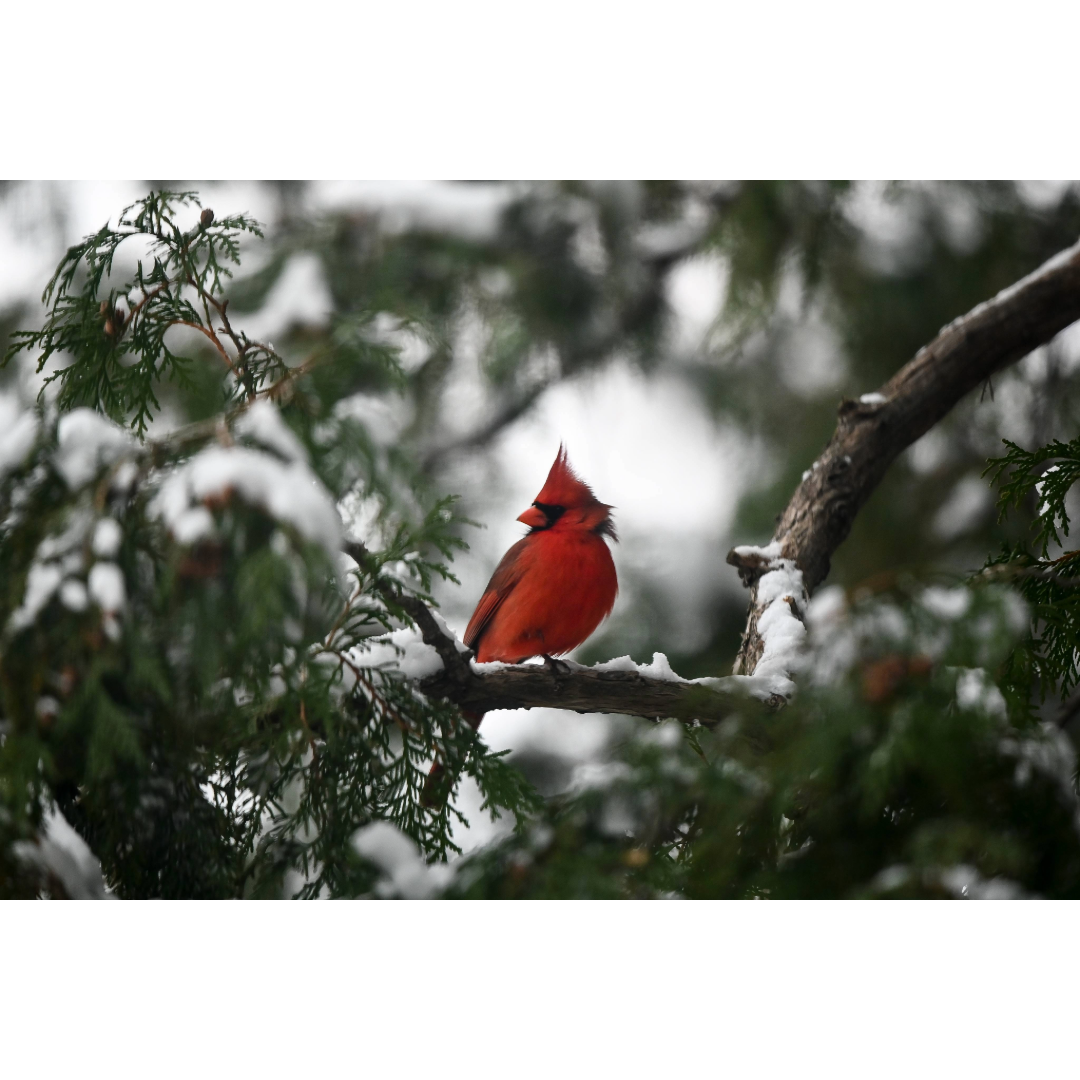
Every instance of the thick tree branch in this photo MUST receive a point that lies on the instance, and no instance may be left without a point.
(872, 431)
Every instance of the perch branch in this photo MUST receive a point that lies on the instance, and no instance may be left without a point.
(529, 686)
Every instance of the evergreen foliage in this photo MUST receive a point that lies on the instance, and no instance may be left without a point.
(221, 703)
(188, 663)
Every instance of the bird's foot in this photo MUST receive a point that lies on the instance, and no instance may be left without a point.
(557, 667)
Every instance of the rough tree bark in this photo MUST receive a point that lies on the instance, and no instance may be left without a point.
(870, 433)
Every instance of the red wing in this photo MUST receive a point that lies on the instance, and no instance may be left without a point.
(502, 583)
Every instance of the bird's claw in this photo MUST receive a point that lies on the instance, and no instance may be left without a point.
(556, 667)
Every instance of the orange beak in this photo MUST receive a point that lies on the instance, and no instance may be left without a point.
(535, 519)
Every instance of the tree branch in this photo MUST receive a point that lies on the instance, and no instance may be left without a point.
(530, 686)
(874, 430)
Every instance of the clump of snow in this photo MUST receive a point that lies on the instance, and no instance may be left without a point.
(125, 475)
(966, 883)
(873, 399)
(193, 525)
(759, 687)
(667, 735)
(458, 643)
(827, 607)
(382, 420)
(42, 580)
(73, 595)
(591, 775)
(660, 668)
(397, 856)
(261, 422)
(18, 432)
(107, 538)
(106, 586)
(61, 851)
(766, 554)
(946, 603)
(762, 687)
(86, 440)
(290, 492)
(1049, 753)
(781, 594)
(404, 649)
(488, 666)
(975, 691)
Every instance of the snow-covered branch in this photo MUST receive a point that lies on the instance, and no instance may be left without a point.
(617, 686)
(874, 430)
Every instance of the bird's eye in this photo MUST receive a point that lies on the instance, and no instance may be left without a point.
(552, 513)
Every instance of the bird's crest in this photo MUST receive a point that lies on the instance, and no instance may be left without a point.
(563, 486)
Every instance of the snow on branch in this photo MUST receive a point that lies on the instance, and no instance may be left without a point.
(872, 431)
(616, 686)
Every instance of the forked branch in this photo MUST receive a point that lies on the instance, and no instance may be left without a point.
(873, 431)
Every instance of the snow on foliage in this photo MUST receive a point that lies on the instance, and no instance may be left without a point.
(86, 440)
(404, 650)
(289, 492)
(18, 432)
(63, 853)
(404, 872)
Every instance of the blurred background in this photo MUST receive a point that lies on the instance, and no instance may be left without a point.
(689, 342)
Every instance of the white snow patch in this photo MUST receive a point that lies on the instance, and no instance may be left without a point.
(761, 687)
(946, 603)
(63, 852)
(19, 431)
(73, 595)
(106, 586)
(966, 883)
(404, 649)
(598, 774)
(975, 691)
(262, 423)
(192, 525)
(86, 441)
(405, 873)
(107, 538)
(873, 399)
(441, 623)
(290, 493)
(42, 580)
(766, 554)
(382, 420)
(1052, 754)
(300, 295)
(827, 607)
(781, 630)
(660, 668)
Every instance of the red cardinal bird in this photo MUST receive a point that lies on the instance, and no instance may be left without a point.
(552, 589)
